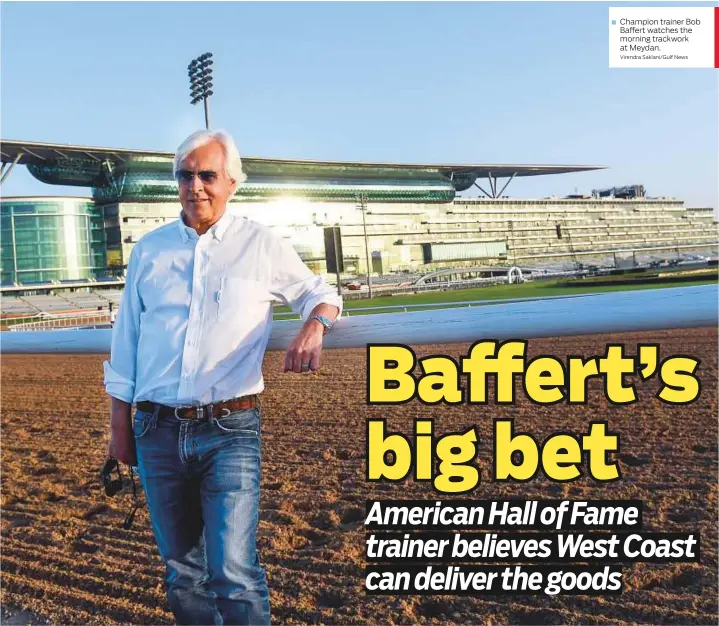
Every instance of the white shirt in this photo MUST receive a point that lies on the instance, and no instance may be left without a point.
(196, 312)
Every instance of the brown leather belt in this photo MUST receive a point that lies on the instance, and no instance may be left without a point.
(219, 409)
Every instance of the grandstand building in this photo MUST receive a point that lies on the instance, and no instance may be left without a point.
(411, 216)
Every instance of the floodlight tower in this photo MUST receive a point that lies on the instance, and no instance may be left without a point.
(200, 72)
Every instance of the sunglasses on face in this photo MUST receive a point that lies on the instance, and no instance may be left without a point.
(206, 176)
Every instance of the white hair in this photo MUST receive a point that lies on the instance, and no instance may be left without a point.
(233, 163)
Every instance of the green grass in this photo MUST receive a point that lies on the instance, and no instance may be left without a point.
(536, 289)
(693, 276)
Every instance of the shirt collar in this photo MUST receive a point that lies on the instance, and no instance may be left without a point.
(185, 231)
(218, 229)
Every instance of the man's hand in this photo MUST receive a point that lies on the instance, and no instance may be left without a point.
(303, 354)
(122, 439)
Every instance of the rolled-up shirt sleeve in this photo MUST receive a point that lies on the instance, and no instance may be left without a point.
(296, 285)
(121, 369)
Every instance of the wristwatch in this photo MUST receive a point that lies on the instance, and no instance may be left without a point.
(324, 321)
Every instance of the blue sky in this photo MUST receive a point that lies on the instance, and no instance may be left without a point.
(413, 82)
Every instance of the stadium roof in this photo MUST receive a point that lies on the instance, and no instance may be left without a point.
(35, 153)
(122, 175)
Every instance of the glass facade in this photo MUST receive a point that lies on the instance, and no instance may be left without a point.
(47, 239)
(149, 179)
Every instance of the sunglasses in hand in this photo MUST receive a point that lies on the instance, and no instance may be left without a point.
(113, 483)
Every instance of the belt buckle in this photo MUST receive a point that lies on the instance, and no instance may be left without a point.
(199, 413)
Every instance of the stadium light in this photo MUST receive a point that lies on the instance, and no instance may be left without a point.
(200, 72)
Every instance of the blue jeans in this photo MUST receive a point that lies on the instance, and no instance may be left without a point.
(202, 485)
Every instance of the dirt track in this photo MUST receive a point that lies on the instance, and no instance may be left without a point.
(65, 557)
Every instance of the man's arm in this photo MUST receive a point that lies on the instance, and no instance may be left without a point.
(122, 439)
(304, 352)
(309, 295)
(120, 370)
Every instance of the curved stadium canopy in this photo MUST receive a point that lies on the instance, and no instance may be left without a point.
(119, 174)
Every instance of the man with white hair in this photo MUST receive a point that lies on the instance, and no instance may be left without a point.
(187, 348)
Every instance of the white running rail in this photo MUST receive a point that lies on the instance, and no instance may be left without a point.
(623, 311)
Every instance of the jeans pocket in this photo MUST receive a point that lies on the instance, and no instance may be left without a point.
(245, 422)
(141, 424)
